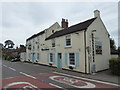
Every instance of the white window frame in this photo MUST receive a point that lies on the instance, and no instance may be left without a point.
(50, 57)
(68, 37)
(29, 55)
(98, 46)
(69, 59)
(38, 55)
(33, 47)
(53, 42)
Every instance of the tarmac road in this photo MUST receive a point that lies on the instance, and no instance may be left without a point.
(28, 75)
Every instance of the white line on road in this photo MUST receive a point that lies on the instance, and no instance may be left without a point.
(55, 85)
(4, 65)
(28, 75)
(12, 69)
(9, 78)
(87, 79)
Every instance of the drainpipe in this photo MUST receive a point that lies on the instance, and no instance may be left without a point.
(85, 51)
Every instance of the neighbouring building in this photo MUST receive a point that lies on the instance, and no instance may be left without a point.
(83, 47)
(22, 52)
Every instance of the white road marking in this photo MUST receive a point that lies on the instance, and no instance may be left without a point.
(9, 78)
(28, 75)
(55, 85)
(88, 79)
(70, 81)
(4, 65)
(20, 83)
(12, 69)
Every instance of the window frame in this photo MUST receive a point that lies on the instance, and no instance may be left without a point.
(50, 57)
(74, 59)
(53, 43)
(68, 37)
(98, 47)
(38, 57)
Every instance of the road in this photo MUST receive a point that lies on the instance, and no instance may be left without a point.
(28, 75)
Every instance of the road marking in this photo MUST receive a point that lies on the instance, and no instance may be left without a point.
(9, 78)
(4, 65)
(28, 75)
(27, 84)
(12, 69)
(55, 85)
(72, 82)
(88, 79)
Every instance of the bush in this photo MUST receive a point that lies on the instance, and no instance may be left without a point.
(114, 65)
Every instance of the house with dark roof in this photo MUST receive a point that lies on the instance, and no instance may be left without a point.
(83, 47)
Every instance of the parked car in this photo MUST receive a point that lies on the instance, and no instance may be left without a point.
(15, 59)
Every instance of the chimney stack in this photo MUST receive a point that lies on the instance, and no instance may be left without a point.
(97, 13)
(64, 23)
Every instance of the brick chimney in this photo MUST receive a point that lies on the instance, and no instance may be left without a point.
(97, 13)
(64, 23)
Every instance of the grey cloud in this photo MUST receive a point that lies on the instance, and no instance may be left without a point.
(24, 19)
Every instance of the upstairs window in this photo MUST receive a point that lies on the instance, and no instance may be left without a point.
(38, 47)
(29, 47)
(33, 47)
(53, 42)
(68, 40)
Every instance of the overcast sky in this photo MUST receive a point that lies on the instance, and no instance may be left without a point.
(20, 20)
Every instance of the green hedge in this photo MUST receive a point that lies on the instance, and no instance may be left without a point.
(114, 65)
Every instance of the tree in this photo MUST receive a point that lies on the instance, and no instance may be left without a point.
(119, 51)
(9, 44)
(112, 45)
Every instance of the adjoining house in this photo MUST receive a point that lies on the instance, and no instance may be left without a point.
(22, 52)
(83, 47)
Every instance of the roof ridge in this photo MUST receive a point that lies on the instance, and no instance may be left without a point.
(74, 28)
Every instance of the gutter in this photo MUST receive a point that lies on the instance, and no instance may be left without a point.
(85, 51)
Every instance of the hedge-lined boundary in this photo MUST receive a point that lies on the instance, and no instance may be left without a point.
(114, 65)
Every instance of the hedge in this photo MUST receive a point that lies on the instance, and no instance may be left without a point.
(114, 65)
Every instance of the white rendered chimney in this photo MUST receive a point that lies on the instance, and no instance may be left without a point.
(96, 13)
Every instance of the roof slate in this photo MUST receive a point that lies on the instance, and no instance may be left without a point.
(35, 35)
(78, 27)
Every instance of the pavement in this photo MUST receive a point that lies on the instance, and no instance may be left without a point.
(105, 75)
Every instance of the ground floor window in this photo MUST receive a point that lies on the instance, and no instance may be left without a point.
(38, 56)
(51, 57)
(71, 59)
(29, 56)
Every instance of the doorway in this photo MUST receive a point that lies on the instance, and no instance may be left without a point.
(59, 60)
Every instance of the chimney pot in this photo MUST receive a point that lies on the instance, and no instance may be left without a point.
(64, 23)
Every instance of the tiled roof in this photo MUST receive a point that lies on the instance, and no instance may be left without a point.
(78, 27)
(40, 33)
(35, 35)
